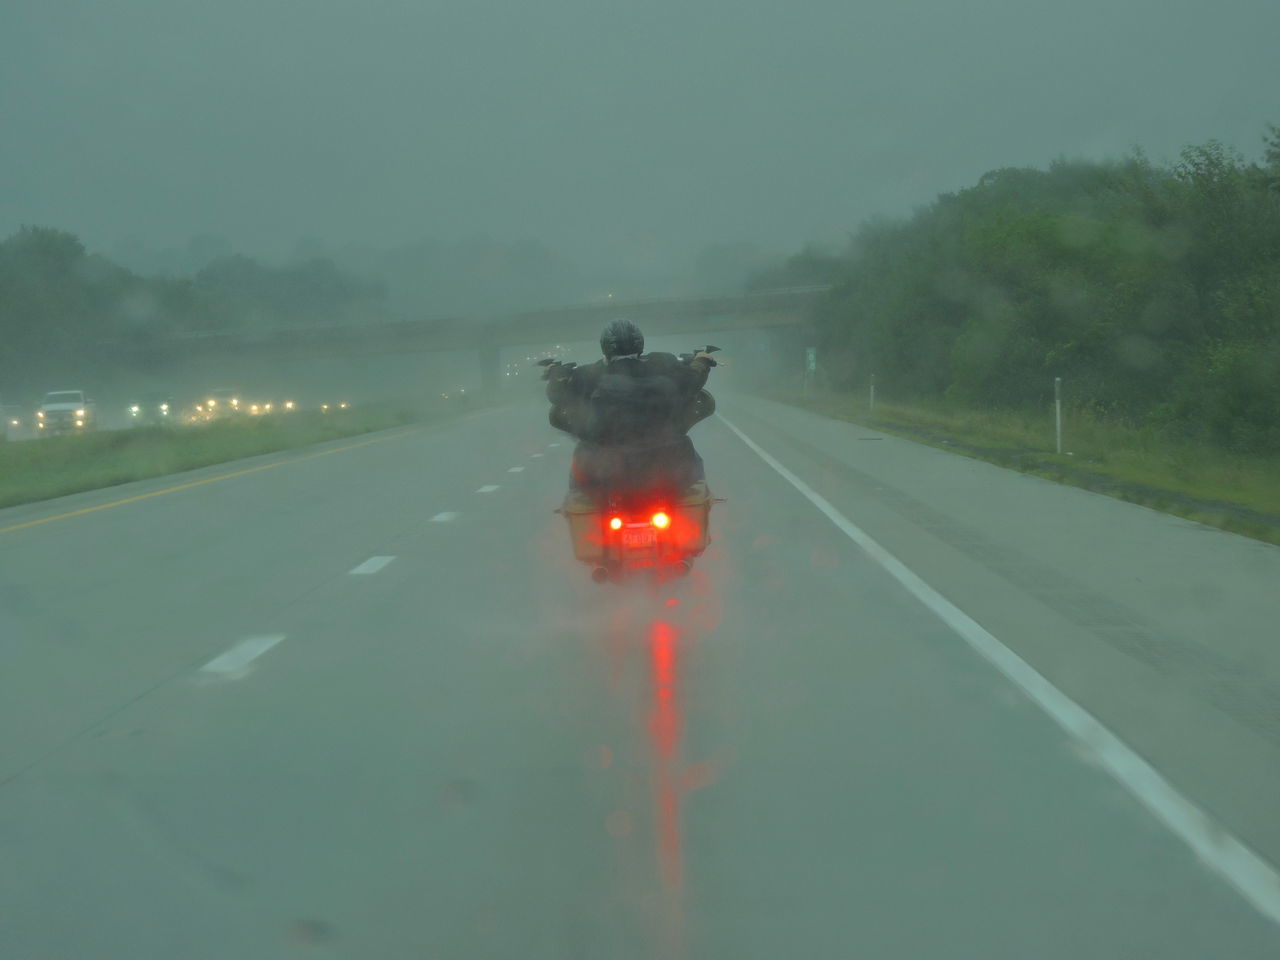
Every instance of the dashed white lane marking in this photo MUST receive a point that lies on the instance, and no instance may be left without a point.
(553, 444)
(535, 456)
(515, 470)
(372, 565)
(241, 655)
(487, 488)
(444, 517)
(1251, 876)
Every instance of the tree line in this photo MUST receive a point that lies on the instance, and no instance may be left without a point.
(1153, 290)
(62, 307)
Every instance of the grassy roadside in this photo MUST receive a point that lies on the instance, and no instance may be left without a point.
(1236, 493)
(41, 469)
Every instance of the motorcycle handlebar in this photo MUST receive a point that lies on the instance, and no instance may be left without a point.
(708, 349)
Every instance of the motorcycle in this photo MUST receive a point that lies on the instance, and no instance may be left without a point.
(650, 532)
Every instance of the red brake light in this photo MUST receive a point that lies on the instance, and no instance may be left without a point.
(661, 520)
(615, 523)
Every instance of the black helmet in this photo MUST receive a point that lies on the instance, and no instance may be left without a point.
(621, 338)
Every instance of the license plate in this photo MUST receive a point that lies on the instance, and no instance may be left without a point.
(639, 538)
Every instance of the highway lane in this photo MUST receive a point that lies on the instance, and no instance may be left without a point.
(1161, 627)
(473, 751)
(99, 607)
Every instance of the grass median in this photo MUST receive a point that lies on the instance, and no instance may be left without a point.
(1235, 492)
(50, 467)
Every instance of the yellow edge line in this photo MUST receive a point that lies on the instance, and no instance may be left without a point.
(197, 483)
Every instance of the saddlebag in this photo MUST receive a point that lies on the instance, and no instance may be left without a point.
(585, 528)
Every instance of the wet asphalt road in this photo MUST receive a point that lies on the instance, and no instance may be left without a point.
(230, 726)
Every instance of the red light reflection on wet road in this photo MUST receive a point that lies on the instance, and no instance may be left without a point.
(666, 724)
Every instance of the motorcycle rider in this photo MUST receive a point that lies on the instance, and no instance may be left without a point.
(630, 412)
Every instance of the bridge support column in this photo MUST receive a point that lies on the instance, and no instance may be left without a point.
(490, 356)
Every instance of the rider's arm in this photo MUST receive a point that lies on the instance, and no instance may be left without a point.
(567, 382)
(695, 371)
(689, 375)
(570, 386)
(558, 384)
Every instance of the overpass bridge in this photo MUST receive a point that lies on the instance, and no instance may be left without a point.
(766, 309)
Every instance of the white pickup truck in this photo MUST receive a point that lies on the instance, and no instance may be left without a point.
(65, 411)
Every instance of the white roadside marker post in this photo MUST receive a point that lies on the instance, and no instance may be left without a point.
(1057, 409)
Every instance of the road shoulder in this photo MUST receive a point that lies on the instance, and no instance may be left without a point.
(1158, 626)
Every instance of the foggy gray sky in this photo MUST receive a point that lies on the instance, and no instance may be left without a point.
(638, 130)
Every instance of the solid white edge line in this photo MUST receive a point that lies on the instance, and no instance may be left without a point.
(242, 654)
(1252, 877)
(372, 565)
(487, 488)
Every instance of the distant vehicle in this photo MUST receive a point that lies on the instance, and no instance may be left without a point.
(9, 421)
(152, 410)
(65, 411)
(220, 403)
